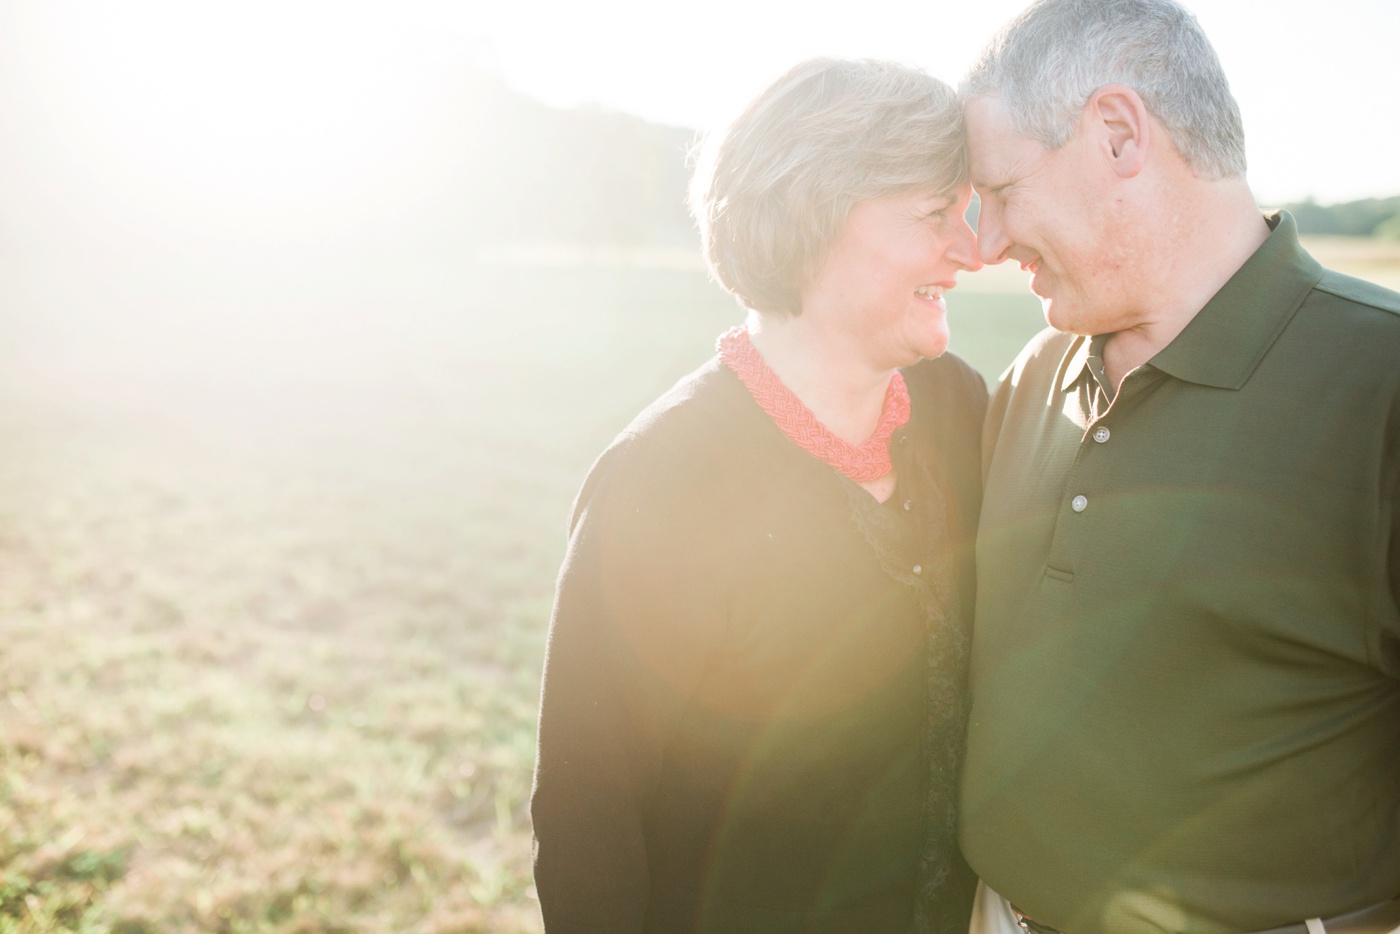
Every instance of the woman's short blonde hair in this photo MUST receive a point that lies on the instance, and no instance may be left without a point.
(773, 190)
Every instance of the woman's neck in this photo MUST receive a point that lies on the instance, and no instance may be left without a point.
(844, 392)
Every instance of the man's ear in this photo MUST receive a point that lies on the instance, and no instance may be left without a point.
(1119, 118)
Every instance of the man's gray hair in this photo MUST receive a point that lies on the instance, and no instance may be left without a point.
(773, 191)
(1048, 61)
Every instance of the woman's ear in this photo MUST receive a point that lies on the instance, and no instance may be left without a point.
(1119, 118)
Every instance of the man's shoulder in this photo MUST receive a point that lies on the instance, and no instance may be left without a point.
(1042, 355)
(1353, 323)
(1048, 339)
(1359, 292)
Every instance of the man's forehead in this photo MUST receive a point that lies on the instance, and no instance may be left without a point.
(994, 147)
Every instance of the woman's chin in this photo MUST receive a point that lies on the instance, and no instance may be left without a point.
(933, 344)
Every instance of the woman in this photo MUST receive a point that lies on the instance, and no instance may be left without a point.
(752, 710)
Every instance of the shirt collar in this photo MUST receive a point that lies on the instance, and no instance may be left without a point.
(1228, 338)
(1075, 364)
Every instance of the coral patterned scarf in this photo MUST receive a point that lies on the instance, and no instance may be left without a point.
(863, 463)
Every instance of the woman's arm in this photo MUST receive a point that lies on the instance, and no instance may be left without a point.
(632, 616)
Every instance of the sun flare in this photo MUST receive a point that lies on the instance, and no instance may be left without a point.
(248, 103)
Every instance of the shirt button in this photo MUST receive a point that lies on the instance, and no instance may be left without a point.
(1102, 434)
(1079, 503)
(908, 505)
(918, 569)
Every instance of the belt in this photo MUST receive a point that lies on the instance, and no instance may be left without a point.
(1380, 918)
(1026, 924)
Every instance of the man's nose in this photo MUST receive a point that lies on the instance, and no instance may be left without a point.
(991, 241)
(966, 254)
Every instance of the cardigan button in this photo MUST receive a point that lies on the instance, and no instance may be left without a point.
(918, 569)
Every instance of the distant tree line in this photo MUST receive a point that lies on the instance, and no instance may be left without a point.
(1370, 217)
(511, 170)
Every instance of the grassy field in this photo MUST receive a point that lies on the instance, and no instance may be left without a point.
(276, 561)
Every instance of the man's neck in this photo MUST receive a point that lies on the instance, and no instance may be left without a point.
(1205, 241)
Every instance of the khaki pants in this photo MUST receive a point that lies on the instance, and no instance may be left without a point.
(991, 914)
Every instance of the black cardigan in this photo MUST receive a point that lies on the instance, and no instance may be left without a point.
(753, 698)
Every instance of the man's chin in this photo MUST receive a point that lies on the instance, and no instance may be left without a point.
(1060, 316)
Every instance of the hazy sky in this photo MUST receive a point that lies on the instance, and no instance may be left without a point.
(280, 100)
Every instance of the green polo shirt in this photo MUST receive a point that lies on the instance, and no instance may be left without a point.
(1186, 657)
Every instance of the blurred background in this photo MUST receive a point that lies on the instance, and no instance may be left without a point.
(312, 318)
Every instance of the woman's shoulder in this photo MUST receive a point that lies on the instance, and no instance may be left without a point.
(944, 375)
(680, 443)
(702, 423)
(696, 409)
(948, 394)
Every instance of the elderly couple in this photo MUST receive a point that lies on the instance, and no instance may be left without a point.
(835, 636)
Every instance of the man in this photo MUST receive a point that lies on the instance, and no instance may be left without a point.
(1186, 658)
